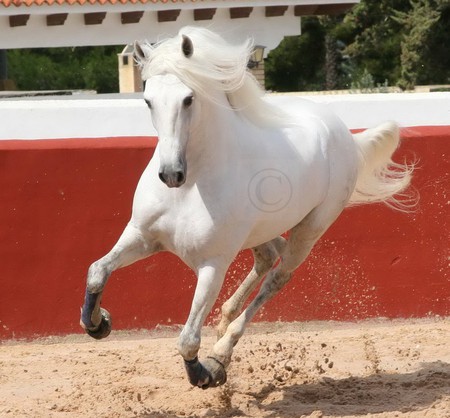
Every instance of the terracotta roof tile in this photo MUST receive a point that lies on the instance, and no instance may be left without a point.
(19, 3)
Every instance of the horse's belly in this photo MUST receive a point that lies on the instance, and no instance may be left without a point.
(269, 227)
(280, 195)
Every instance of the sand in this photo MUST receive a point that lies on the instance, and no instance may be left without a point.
(376, 368)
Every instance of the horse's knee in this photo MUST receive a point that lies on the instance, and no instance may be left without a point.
(98, 274)
(188, 345)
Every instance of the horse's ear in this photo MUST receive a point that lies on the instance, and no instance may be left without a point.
(187, 47)
(141, 51)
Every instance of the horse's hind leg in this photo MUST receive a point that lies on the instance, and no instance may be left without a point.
(265, 256)
(301, 240)
(130, 247)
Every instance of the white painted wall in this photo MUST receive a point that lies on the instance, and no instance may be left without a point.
(111, 117)
(407, 109)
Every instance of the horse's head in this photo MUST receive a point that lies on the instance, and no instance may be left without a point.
(172, 106)
(198, 73)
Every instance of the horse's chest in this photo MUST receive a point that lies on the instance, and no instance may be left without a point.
(187, 225)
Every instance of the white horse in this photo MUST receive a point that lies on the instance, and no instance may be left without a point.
(234, 170)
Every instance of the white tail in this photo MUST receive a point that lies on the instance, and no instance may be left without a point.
(379, 178)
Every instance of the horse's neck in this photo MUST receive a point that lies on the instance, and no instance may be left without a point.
(215, 137)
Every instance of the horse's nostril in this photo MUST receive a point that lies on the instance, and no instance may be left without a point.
(180, 177)
(162, 177)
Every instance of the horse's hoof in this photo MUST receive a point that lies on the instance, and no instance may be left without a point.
(217, 373)
(209, 374)
(104, 329)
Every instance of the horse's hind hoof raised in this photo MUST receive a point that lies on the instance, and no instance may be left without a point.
(104, 329)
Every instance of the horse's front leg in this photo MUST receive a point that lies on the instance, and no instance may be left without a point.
(209, 372)
(130, 247)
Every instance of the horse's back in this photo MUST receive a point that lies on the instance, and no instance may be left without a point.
(338, 144)
(308, 113)
(328, 130)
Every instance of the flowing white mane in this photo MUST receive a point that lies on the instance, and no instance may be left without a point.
(215, 65)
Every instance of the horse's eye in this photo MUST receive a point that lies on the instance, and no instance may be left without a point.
(148, 103)
(188, 101)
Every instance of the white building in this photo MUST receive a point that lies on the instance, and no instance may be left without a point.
(53, 23)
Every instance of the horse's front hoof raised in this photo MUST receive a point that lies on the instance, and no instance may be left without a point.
(209, 374)
(104, 329)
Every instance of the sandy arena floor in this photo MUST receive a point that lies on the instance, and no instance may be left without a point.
(323, 369)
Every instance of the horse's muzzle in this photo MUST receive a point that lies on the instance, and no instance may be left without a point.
(172, 178)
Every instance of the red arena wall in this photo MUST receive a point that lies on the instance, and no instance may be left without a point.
(65, 202)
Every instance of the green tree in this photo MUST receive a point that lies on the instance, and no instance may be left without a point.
(387, 41)
(298, 62)
(417, 25)
(332, 52)
(91, 68)
(373, 39)
(100, 69)
(435, 64)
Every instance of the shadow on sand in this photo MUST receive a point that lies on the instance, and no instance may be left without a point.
(381, 392)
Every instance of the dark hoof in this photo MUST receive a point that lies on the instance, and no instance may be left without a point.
(210, 374)
(104, 329)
